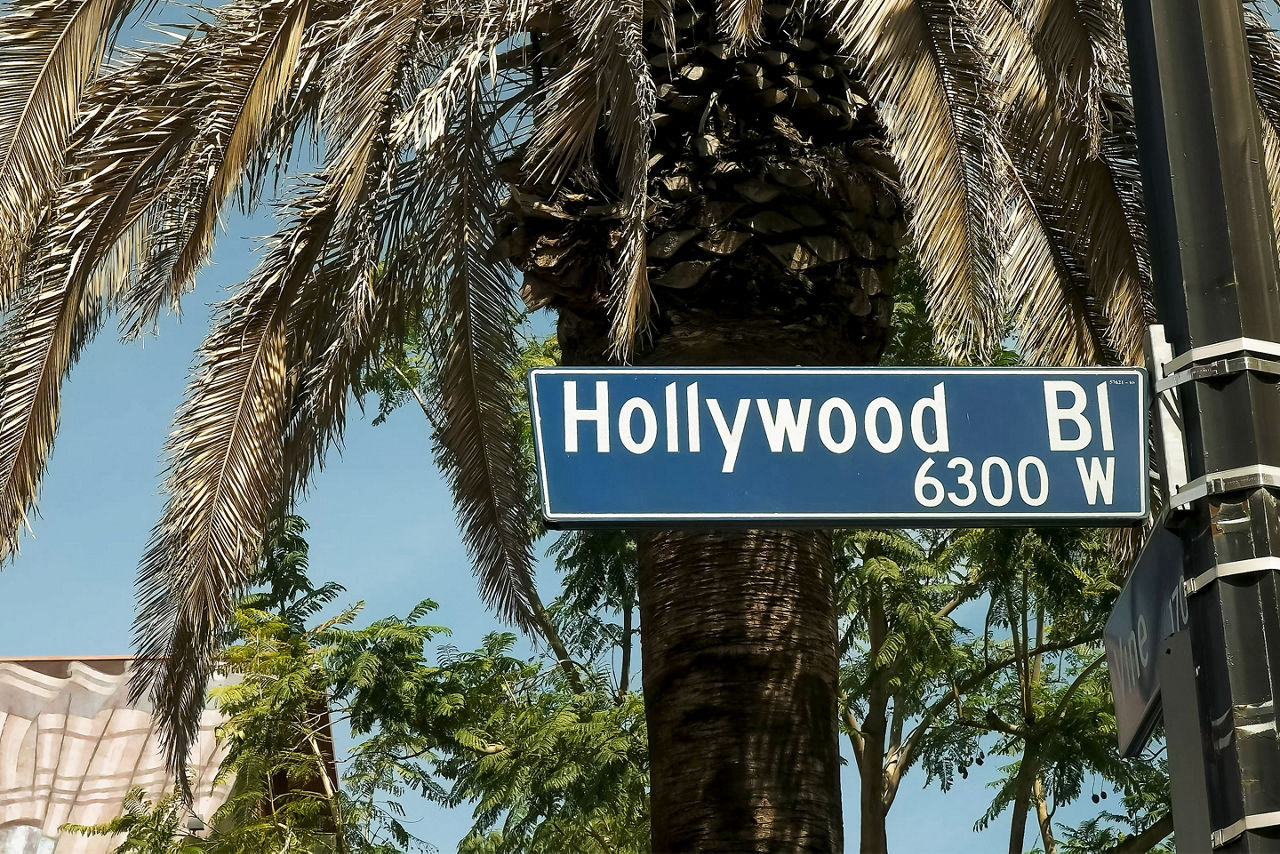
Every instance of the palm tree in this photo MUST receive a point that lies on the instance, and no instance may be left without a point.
(682, 182)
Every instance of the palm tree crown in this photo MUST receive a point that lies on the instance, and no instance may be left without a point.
(620, 153)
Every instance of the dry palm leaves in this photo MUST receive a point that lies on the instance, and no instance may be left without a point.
(1007, 122)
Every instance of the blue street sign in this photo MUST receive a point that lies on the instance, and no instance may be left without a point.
(1151, 608)
(912, 446)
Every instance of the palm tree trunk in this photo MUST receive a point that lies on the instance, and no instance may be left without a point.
(738, 635)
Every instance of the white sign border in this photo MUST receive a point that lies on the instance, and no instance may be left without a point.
(744, 518)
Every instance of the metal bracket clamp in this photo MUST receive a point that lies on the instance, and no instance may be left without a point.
(1227, 480)
(1170, 442)
(1257, 821)
(1221, 367)
(1192, 586)
(1251, 346)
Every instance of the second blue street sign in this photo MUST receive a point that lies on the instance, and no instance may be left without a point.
(812, 446)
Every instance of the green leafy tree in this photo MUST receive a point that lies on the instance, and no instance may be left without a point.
(147, 827)
(1131, 831)
(549, 764)
(903, 655)
(1048, 594)
(698, 183)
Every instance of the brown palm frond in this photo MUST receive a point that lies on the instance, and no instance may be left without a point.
(474, 390)
(49, 50)
(630, 97)
(1264, 62)
(226, 471)
(366, 303)
(1120, 154)
(740, 21)
(1080, 45)
(453, 186)
(235, 78)
(1074, 192)
(372, 299)
(927, 73)
(604, 79)
(227, 457)
(92, 237)
(1264, 55)
(223, 481)
(372, 45)
(1044, 291)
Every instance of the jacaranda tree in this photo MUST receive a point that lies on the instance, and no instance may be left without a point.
(687, 182)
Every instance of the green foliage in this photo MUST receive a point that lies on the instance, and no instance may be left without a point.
(1050, 711)
(148, 827)
(960, 644)
(1142, 804)
(549, 765)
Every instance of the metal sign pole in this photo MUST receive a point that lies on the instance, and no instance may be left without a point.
(1218, 296)
(1188, 782)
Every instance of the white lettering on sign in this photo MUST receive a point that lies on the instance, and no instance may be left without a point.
(673, 435)
(880, 443)
(625, 418)
(1104, 417)
(695, 428)
(938, 406)
(1098, 479)
(731, 438)
(1024, 488)
(1075, 413)
(850, 434)
(573, 416)
(784, 422)
(784, 425)
(997, 482)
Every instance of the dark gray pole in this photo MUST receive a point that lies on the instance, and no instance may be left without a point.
(1218, 295)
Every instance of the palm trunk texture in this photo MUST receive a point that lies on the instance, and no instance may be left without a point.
(773, 230)
(740, 671)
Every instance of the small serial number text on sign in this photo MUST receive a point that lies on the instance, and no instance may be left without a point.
(680, 444)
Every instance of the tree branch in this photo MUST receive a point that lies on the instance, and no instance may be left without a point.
(624, 675)
(1147, 839)
(1075, 686)
(855, 740)
(927, 717)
